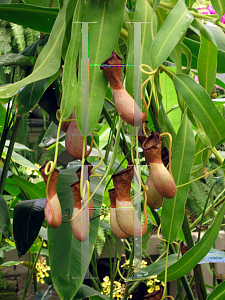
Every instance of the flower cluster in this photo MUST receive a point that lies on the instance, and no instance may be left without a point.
(208, 10)
(137, 264)
(117, 287)
(42, 269)
(154, 284)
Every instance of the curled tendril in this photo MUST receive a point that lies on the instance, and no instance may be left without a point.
(52, 164)
(93, 174)
(151, 74)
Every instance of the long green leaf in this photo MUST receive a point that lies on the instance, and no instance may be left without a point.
(20, 159)
(5, 224)
(156, 268)
(207, 64)
(195, 254)
(69, 96)
(219, 6)
(30, 188)
(49, 60)
(183, 156)
(43, 3)
(34, 17)
(170, 33)
(32, 93)
(69, 259)
(103, 38)
(13, 59)
(200, 103)
(218, 293)
(86, 291)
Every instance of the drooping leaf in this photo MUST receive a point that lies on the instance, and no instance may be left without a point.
(27, 220)
(5, 224)
(20, 159)
(200, 103)
(183, 156)
(44, 295)
(109, 18)
(2, 116)
(13, 59)
(71, 260)
(30, 188)
(195, 254)
(219, 6)
(156, 268)
(48, 62)
(69, 96)
(207, 64)
(204, 31)
(170, 33)
(42, 3)
(86, 291)
(32, 93)
(51, 135)
(35, 17)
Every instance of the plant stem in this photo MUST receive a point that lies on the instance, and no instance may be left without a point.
(126, 292)
(123, 143)
(32, 272)
(9, 154)
(94, 282)
(199, 279)
(110, 265)
(34, 275)
(209, 209)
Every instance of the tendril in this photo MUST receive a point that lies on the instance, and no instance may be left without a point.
(93, 174)
(52, 164)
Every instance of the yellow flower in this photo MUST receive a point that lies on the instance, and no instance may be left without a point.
(150, 290)
(157, 288)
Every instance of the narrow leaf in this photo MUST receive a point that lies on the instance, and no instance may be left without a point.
(13, 59)
(183, 156)
(218, 293)
(30, 188)
(207, 64)
(69, 96)
(86, 291)
(34, 17)
(49, 60)
(170, 33)
(5, 224)
(156, 268)
(109, 18)
(200, 103)
(219, 6)
(195, 254)
(32, 93)
(69, 257)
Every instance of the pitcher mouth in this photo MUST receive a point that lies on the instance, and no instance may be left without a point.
(152, 141)
(130, 168)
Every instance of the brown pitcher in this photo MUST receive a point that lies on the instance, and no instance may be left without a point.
(126, 215)
(53, 212)
(163, 181)
(80, 224)
(113, 221)
(74, 140)
(124, 103)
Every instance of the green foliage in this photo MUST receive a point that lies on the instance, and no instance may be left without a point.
(49, 73)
